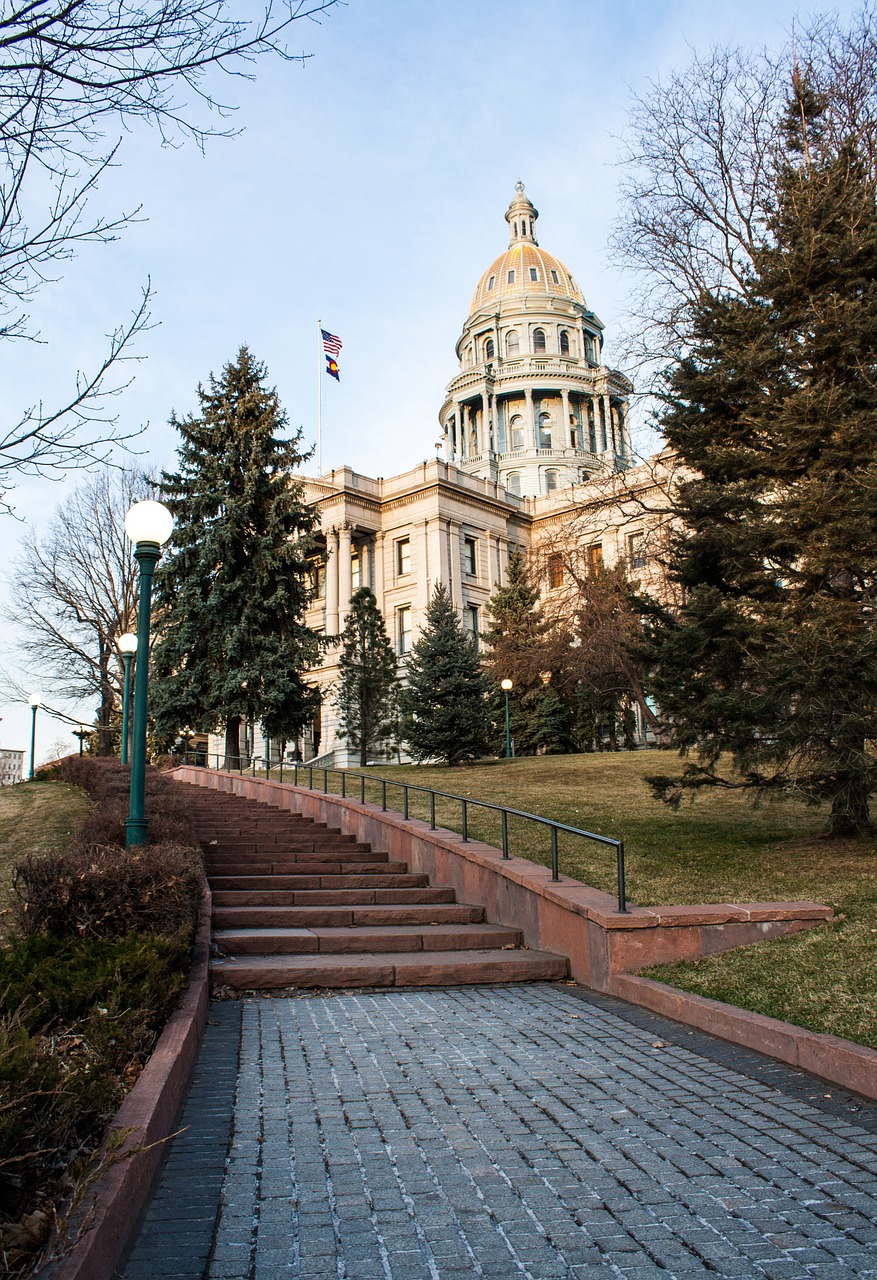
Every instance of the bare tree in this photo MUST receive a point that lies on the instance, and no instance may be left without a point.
(700, 155)
(74, 592)
(74, 75)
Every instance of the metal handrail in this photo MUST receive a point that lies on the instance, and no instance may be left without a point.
(239, 764)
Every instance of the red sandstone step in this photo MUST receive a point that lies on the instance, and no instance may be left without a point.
(265, 864)
(275, 881)
(393, 969)
(287, 895)
(351, 940)
(321, 916)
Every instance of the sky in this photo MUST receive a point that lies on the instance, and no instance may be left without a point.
(364, 188)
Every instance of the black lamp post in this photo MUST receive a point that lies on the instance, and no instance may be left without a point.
(148, 525)
(34, 701)
(81, 733)
(506, 686)
(127, 646)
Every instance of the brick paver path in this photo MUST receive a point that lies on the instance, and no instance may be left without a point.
(518, 1133)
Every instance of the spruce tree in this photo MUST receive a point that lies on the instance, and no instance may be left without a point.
(443, 702)
(516, 642)
(772, 658)
(368, 685)
(232, 588)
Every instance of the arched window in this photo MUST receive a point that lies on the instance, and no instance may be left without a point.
(538, 340)
(512, 343)
(544, 430)
(564, 342)
(513, 483)
(516, 433)
(550, 481)
(489, 349)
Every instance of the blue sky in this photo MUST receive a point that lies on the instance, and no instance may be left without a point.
(368, 189)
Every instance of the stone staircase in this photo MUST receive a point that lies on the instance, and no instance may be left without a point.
(296, 904)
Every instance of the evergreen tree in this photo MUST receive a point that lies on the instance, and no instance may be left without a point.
(773, 656)
(231, 592)
(443, 703)
(517, 640)
(368, 685)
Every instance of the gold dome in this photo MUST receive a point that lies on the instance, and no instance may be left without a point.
(524, 269)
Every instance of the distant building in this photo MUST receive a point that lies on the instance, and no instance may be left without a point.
(536, 438)
(11, 766)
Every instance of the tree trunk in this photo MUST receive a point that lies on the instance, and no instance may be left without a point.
(106, 709)
(232, 743)
(850, 811)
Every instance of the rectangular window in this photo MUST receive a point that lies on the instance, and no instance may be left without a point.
(470, 556)
(403, 629)
(636, 550)
(534, 274)
(317, 575)
(491, 282)
(511, 277)
(555, 570)
(472, 624)
(595, 557)
(554, 277)
(355, 570)
(403, 556)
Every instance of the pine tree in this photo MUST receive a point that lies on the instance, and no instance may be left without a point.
(368, 685)
(773, 657)
(232, 591)
(443, 701)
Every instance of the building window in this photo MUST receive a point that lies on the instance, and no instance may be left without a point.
(555, 279)
(513, 483)
(544, 430)
(555, 570)
(512, 343)
(538, 340)
(534, 274)
(564, 342)
(516, 433)
(470, 556)
(550, 481)
(636, 550)
(355, 571)
(516, 234)
(595, 557)
(472, 624)
(510, 278)
(317, 575)
(403, 629)
(489, 349)
(403, 556)
(491, 282)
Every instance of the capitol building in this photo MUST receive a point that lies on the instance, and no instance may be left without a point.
(535, 434)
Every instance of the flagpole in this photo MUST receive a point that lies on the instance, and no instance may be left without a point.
(319, 398)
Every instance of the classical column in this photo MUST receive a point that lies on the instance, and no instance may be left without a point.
(378, 567)
(606, 435)
(531, 417)
(484, 442)
(365, 556)
(624, 411)
(567, 426)
(345, 574)
(331, 582)
(437, 553)
(503, 549)
(462, 442)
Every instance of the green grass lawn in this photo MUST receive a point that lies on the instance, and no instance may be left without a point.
(718, 849)
(35, 817)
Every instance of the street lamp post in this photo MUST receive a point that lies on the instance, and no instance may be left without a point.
(127, 646)
(148, 525)
(81, 733)
(34, 701)
(506, 686)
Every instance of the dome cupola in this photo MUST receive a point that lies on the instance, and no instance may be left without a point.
(533, 405)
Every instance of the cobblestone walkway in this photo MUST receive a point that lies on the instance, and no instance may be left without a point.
(525, 1133)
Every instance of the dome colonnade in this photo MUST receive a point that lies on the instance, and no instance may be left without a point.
(533, 406)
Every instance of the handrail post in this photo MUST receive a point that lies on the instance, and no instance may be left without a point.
(384, 794)
(555, 871)
(432, 811)
(465, 823)
(405, 800)
(362, 788)
(622, 890)
(325, 781)
(280, 779)
(310, 777)
(343, 785)
(505, 833)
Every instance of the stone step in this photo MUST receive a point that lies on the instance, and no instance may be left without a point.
(280, 864)
(350, 939)
(324, 868)
(321, 916)
(287, 895)
(230, 848)
(388, 969)
(351, 897)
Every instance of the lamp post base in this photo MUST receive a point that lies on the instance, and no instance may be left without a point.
(135, 832)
